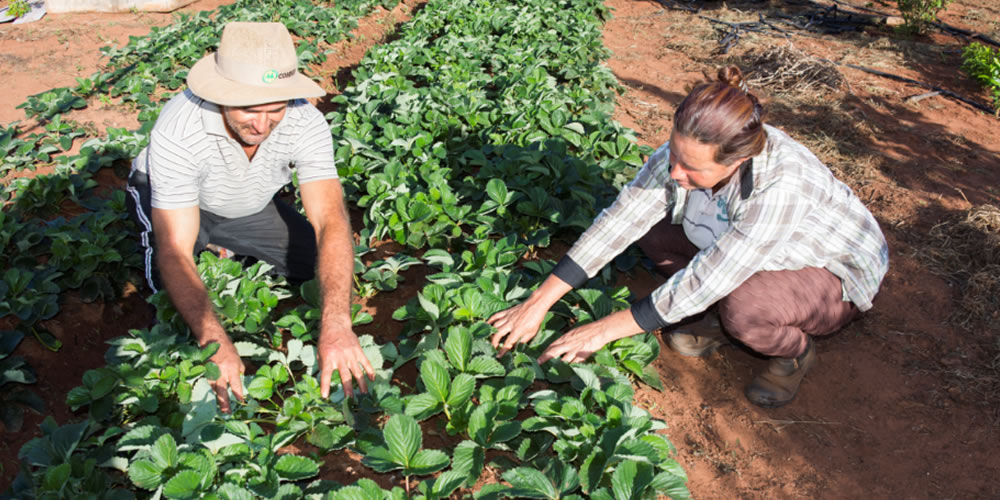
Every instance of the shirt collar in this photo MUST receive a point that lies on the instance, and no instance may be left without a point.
(211, 119)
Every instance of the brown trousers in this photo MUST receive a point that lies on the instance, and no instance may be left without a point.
(772, 312)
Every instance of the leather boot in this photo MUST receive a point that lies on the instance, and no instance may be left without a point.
(780, 383)
(700, 338)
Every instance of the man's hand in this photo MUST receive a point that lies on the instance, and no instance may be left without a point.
(340, 350)
(230, 372)
(517, 324)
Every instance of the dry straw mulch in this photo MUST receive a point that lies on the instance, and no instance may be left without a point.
(787, 70)
(967, 253)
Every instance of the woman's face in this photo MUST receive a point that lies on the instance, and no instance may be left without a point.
(694, 165)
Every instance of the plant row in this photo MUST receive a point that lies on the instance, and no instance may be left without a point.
(45, 254)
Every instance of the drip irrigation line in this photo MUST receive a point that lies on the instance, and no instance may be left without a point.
(937, 24)
(947, 28)
(967, 33)
(932, 88)
(733, 36)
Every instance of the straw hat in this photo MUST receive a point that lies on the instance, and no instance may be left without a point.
(255, 64)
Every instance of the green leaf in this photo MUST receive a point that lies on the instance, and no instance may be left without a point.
(630, 480)
(448, 482)
(230, 491)
(479, 422)
(651, 377)
(459, 347)
(505, 432)
(592, 470)
(212, 371)
(497, 191)
(145, 474)
(602, 494)
(327, 438)
(575, 127)
(469, 459)
(380, 460)
(65, 439)
(422, 406)
(430, 307)
(435, 378)
(530, 483)
(295, 468)
(184, 484)
(486, 366)
(56, 477)
(461, 389)
(427, 462)
(671, 485)
(164, 452)
(261, 387)
(588, 376)
(403, 438)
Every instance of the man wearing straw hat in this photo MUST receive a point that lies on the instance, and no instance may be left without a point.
(217, 155)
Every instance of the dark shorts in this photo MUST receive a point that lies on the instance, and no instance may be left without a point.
(772, 312)
(278, 234)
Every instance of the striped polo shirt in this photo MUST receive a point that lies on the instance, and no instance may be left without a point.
(192, 161)
(786, 211)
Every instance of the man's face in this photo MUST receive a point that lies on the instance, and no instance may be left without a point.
(250, 125)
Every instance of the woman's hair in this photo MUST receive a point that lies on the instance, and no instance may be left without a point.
(723, 113)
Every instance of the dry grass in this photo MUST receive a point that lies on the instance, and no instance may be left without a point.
(967, 253)
(787, 70)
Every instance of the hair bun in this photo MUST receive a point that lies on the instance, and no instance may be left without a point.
(731, 75)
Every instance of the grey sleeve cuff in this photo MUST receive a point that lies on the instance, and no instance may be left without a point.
(570, 272)
(645, 314)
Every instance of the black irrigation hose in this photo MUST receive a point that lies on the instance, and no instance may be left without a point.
(952, 30)
(944, 92)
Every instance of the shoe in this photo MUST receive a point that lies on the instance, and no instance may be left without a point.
(780, 383)
(700, 338)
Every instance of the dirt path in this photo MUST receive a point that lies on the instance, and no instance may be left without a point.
(883, 415)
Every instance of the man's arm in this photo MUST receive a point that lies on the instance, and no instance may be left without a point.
(339, 348)
(176, 231)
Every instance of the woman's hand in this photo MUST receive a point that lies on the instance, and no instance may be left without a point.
(517, 324)
(580, 343)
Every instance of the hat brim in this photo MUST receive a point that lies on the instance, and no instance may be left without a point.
(206, 83)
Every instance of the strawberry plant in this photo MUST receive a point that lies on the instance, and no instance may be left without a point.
(15, 370)
(983, 64)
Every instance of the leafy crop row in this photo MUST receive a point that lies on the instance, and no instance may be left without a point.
(476, 137)
(983, 64)
(44, 255)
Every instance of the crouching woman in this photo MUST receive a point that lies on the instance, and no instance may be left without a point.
(744, 223)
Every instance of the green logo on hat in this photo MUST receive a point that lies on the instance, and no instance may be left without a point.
(270, 76)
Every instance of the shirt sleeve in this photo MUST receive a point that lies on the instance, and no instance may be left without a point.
(761, 224)
(639, 205)
(313, 153)
(173, 174)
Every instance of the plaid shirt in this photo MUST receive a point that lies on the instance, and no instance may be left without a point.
(787, 212)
